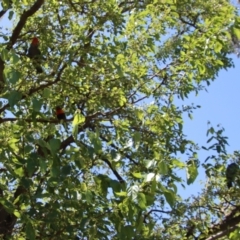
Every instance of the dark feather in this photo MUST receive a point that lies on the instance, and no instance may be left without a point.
(61, 116)
(35, 54)
(231, 173)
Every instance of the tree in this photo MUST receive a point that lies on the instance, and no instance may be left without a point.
(117, 68)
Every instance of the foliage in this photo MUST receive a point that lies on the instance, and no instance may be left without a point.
(117, 68)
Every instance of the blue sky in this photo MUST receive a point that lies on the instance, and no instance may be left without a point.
(219, 106)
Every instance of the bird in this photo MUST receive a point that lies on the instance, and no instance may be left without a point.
(35, 54)
(61, 117)
(231, 173)
(60, 113)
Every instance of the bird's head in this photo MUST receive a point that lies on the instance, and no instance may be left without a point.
(35, 41)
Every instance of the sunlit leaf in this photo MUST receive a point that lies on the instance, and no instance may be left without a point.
(137, 175)
(141, 200)
(192, 172)
(78, 119)
(121, 194)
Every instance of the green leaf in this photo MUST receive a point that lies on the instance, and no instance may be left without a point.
(137, 175)
(31, 164)
(78, 119)
(43, 165)
(137, 139)
(7, 205)
(26, 183)
(54, 145)
(14, 97)
(218, 148)
(237, 32)
(10, 15)
(235, 235)
(94, 139)
(121, 194)
(141, 200)
(122, 100)
(192, 172)
(88, 196)
(37, 104)
(115, 185)
(66, 170)
(12, 143)
(17, 213)
(151, 163)
(150, 177)
(140, 114)
(218, 47)
(170, 197)
(19, 172)
(149, 199)
(30, 232)
(190, 116)
(75, 131)
(14, 76)
(14, 58)
(83, 222)
(55, 169)
(163, 168)
(46, 92)
(4, 54)
(127, 232)
(178, 163)
(133, 191)
(210, 139)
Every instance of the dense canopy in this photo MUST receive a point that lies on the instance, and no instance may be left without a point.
(108, 168)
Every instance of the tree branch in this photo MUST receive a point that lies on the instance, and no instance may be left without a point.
(38, 120)
(1, 75)
(34, 90)
(16, 33)
(22, 22)
(3, 12)
(8, 220)
(222, 233)
(117, 148)
(117, 175)
(224, 227)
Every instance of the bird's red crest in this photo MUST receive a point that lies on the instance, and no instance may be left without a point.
(59, 110)
(35, 41)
